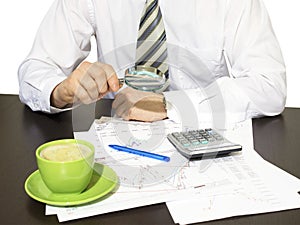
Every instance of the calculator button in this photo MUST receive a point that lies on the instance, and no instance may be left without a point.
(188, 137)
(186, 144)
(196, 142)
(179, 137)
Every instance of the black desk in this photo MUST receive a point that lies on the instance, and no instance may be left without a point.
(277, 139)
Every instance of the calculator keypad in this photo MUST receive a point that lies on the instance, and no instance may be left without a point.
(197, 137)
(195, 143)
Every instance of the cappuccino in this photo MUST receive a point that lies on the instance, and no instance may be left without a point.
(65, 152)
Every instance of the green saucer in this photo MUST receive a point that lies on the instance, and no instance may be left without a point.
(103, 181)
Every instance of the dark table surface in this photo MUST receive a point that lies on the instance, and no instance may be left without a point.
(277, 139)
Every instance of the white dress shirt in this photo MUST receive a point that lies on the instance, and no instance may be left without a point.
(204, 37)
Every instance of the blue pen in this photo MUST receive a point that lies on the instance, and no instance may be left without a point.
(141, 153)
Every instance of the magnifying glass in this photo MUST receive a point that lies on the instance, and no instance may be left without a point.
(145, 78)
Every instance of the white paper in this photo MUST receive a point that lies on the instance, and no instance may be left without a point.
(157, 182)
(251, 186)
(143, 181)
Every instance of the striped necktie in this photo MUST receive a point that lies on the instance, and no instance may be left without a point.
(151, 44)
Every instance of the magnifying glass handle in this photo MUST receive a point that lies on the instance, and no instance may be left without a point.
(121, 81)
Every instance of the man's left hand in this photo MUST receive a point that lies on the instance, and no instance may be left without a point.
(131, 104)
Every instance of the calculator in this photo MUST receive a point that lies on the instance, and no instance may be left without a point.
(202, 142)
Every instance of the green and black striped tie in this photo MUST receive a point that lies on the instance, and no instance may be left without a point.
(151, 43)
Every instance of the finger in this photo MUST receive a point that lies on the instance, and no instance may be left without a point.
(82, 95)
(83, 77)
(113, 83)
(101, 95)
(84, 66)
(96, 72)
(90, 85)
(76, 100)
(111, 76)
(102, 73)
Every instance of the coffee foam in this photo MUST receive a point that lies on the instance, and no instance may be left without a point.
(65, 152)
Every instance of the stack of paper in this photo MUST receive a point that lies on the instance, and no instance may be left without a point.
(239, 184)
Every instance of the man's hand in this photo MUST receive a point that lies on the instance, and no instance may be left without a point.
(131, 104)
(87, 84)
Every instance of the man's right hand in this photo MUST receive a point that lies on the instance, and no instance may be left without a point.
(87, 84)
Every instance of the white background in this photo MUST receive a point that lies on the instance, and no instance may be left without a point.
(19, 21)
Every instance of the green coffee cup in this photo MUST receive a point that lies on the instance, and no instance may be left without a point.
(66, 165)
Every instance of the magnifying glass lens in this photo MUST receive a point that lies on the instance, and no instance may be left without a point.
(145, 78)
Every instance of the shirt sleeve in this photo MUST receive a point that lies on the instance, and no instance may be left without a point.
(61, 43)
(257, 83)
(257, 65)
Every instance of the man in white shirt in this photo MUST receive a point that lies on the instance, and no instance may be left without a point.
(203, 37)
